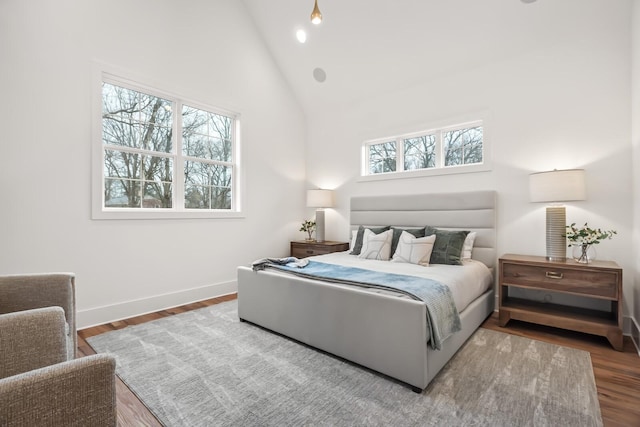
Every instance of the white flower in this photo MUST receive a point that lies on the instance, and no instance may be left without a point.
(586, 236)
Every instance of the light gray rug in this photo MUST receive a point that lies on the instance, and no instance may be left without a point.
(205, 368)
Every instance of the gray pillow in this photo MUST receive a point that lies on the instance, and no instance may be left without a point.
(448, 246)
(357, 247)
(397, 232)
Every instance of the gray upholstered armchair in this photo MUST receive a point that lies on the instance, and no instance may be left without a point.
(41, 382)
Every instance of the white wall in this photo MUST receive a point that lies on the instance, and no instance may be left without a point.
(207, 51)
(564, 104)
(635, 119)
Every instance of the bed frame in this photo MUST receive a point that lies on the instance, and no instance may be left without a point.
(384, 333)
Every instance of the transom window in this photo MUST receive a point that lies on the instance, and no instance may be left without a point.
(436, 149)
(159, 153)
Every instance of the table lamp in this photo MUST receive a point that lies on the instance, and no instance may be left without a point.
(557, 186)
(320, 199)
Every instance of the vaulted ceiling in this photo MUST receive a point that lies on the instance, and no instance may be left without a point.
(369, 47)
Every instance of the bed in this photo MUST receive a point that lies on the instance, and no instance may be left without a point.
(377, 330)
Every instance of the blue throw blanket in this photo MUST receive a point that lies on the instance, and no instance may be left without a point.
(442, 316)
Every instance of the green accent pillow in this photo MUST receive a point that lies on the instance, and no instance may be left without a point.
(448, 246)
(358, 246)
(397, 232)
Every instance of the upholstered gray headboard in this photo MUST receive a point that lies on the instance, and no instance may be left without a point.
(473, 211)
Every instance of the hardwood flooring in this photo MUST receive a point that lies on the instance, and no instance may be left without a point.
(617, 374)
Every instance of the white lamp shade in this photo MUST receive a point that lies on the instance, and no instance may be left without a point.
(319, 198)
(557, 186)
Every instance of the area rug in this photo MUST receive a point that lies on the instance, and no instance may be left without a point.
(206, 368)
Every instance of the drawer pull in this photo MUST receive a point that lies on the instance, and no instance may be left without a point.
(309, 252)
(553, 275)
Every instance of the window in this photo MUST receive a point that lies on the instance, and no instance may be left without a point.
(382, 157)
(435, 151)
(208, 153)
(161, 156)
(420, 152)
(462, 146)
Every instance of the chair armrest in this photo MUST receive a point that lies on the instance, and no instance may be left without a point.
(31, 339)
(80, 392)
(28, 291)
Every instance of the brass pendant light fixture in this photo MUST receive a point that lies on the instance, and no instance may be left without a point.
(316, 16)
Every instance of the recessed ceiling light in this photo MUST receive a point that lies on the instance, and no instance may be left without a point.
(301, 35)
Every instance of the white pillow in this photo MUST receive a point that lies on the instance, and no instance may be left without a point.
(468, 245)
(376, 246)
(414, 250)
(354, 234)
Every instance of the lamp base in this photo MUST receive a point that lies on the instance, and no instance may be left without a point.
(320, 225)
(556, 233)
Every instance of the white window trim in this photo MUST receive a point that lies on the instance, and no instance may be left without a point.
(439, 169)
(102, 73)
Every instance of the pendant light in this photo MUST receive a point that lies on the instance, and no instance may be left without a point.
(316, 16)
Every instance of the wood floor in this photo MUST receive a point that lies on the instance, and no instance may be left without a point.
(617, 374)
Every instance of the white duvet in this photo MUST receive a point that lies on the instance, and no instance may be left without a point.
(467, 282)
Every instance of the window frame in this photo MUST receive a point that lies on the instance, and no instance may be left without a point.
(439, 168)
(178, 210)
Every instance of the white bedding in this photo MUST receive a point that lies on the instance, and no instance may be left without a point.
(467, 282)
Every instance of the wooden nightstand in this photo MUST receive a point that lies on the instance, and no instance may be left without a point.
(599, 280)
(303, 248)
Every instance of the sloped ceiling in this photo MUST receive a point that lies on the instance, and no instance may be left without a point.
(369, 47)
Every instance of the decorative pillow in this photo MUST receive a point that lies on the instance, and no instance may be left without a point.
(468, 245)
(448, 247)
(414, 250)
(397, 232)
(358, 245)
(429, 230)
(354, 233)
(376, 246)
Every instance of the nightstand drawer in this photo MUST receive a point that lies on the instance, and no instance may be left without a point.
(304, 249)
(308, 250)
(595, 283)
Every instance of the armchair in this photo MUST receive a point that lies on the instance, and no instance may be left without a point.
(41, 382)
(20, 292)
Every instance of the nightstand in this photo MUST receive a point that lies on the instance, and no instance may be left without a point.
(598, 280)
(304, 248)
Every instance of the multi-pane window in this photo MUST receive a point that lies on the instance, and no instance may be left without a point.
(137, 135)
(161, 153)
(461, 145)
(208, 152)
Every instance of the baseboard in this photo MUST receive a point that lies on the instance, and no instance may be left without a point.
(634, 331)
(111, 313)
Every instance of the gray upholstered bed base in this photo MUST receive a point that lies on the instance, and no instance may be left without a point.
(384, 333)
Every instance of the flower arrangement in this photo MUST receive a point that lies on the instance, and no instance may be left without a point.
(587, 235)
(584, 237)
(308, 226)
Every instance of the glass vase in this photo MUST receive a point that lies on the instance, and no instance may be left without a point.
(584, 254)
